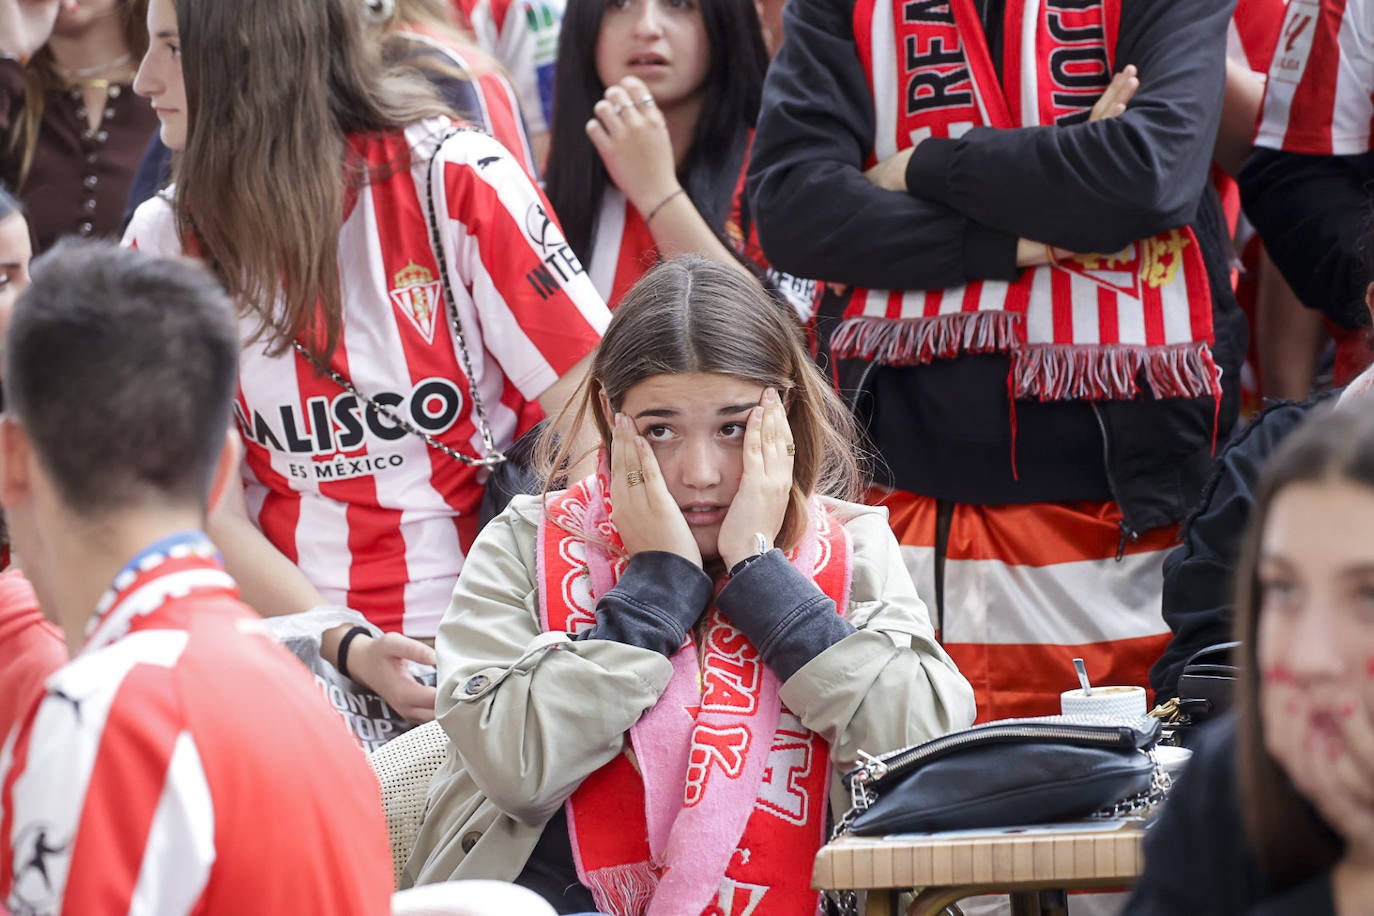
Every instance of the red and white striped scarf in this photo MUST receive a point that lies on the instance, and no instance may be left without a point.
(1086, 327)
(720, 806)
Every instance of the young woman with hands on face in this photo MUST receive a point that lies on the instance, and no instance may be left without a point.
(707, 512)
(651, 137)
(649, 678)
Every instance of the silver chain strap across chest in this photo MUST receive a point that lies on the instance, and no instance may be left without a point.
(494, 456)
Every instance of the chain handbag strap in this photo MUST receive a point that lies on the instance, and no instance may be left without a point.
(494, 456)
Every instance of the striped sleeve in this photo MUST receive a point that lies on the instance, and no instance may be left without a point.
(497, 106)
(108, 809)
(1254, 28)
(523, 36)
(540, 313)
(1318, 99)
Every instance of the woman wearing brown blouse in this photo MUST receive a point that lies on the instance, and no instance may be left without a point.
(71, 130)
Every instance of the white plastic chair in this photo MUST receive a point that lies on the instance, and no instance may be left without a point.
(469, 898)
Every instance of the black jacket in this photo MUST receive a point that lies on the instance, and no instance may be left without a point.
(945, 430)
(1196, 861)
(1198, 583)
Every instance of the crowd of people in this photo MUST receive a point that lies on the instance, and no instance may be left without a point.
(872, 360)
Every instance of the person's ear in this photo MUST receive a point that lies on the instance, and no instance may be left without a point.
(16, 455)
(226, 467)
(607, 410)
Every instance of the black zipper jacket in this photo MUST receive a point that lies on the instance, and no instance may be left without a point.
(946, 429)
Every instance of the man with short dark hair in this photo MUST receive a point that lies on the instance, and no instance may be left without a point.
(181, 761)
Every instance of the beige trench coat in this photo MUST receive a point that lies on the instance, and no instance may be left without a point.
(529, 714)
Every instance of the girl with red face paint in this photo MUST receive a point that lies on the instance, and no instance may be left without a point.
(1278, 804)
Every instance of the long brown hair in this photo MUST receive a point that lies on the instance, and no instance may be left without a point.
(1290, 842)
(273, 89)
(693, 315)
(41, 77)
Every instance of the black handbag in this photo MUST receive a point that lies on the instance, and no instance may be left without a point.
(1207, 682)
(1009, 773)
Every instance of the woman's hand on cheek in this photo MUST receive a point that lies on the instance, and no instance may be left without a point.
(644, 512)
(631, 137)
(1350, 810)
(1335, 772)
(761, 500)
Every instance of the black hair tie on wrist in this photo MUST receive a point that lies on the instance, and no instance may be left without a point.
(348, 637)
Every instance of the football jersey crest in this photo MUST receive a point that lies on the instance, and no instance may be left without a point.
(417, 296)
(1152, 263)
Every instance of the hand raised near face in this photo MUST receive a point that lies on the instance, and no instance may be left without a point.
(761, 500)
(631, 137)
(1334, 769)
(644, 512)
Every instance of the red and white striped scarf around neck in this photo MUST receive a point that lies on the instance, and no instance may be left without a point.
(717, 805)
(1086, 327)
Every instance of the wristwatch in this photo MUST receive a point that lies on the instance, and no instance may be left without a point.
(761, 547)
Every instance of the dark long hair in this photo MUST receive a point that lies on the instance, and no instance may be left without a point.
(575, 176)
(273, 88)
(1290, 842)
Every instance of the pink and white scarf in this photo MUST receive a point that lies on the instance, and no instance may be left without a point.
(720, 806)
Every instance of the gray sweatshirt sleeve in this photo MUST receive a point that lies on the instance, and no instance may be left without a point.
(657, 600)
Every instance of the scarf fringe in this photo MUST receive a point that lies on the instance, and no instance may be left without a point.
(623, 890)
(907, 342)
(1111, 373)
(1047, 372)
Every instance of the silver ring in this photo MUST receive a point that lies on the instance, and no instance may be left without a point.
(646, 102)
(617, 109)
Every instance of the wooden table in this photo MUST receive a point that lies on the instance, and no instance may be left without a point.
(946, 867)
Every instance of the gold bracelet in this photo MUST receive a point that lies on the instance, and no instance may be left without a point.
(661, 204)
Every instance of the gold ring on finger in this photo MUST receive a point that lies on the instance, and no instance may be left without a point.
(634, 478)
(791, 448)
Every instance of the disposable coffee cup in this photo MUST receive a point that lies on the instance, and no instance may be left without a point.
(1105, 701)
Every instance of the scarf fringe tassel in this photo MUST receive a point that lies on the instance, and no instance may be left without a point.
(905, 342)
(1045, 372)
(623, 890)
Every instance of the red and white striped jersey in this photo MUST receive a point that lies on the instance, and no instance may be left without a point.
(1319, 98)
(184, 762)
(376, 518)
(31, 648)
(499, 113)
(623, 250)
(1253, 31)
(1028, 588)
(523, 36)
